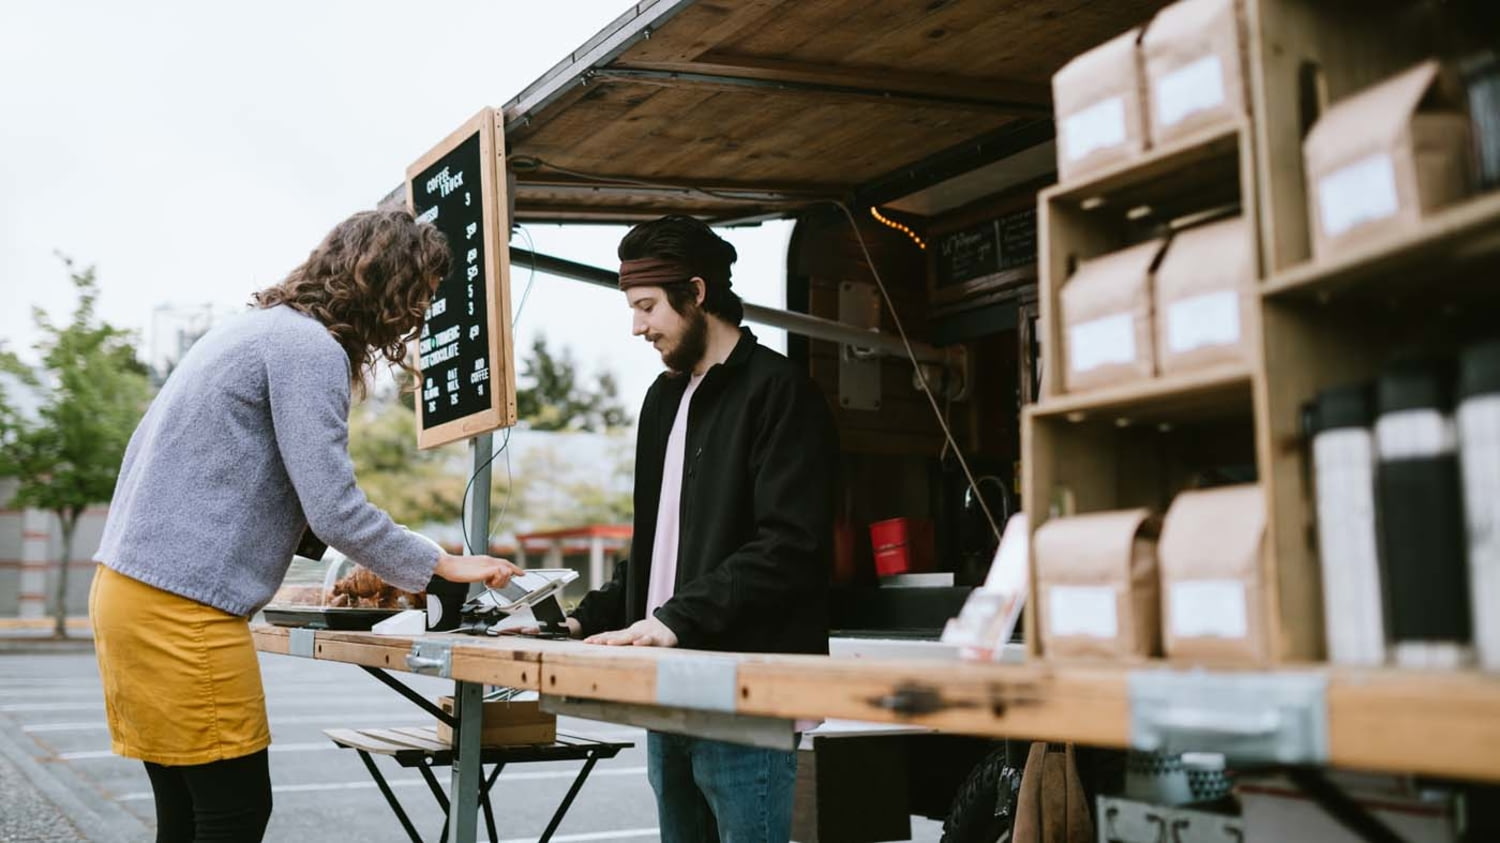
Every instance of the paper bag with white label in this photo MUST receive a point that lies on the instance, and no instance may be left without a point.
(1205, 289)
(1212, 593)
(1097, 586)
(1106, 316)
(1380, 161)
(1193, 53)
(1098, 102)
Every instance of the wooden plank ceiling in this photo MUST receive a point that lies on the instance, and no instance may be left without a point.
(741, 109)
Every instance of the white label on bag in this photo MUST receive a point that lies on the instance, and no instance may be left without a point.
(1196, 86)
(1415, 435)
(1208, 609)
(1082, 610)
(1101, 342)
(1206, 320)
(1361, 192)
(1100, 126)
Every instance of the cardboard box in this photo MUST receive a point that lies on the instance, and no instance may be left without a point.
(1098, 101)
(1382, 160)
(509, 723)
(1193, 54)
(1097, 584)
(1205, 298)
(1213, 598)
(1106, 316)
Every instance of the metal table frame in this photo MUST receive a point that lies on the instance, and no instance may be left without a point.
(565, 748)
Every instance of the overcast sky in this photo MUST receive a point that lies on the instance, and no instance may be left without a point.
(195, 152)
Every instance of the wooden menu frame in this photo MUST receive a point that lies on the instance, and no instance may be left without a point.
(493, 277)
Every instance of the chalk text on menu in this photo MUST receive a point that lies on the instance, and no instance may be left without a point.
(454, 344)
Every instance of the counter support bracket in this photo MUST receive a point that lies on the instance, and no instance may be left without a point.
(748, 729)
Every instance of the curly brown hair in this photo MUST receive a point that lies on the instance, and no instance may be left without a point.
(369, 282)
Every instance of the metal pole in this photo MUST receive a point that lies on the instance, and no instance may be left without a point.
(468, 697)
(802, 324)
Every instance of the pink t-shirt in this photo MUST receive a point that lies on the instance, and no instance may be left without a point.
(664, 548)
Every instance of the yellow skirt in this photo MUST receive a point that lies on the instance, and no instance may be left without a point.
(181, 680)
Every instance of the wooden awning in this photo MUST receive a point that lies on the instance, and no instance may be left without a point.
(736, 110)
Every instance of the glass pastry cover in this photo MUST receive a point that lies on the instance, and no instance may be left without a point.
(336, 581)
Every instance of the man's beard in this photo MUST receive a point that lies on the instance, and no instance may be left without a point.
(690, 349)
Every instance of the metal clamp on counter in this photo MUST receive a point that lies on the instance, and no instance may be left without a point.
(1257, 717)
(431, 657)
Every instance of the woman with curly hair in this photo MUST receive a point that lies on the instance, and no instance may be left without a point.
(246, 446)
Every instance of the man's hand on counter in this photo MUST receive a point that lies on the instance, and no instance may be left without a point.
(643, 633)
(494, 573)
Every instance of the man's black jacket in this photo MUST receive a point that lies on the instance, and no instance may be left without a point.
(755, 545)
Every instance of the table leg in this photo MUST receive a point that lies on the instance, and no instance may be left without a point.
(484, 800)
(390, 796)
(567, 802)
(463, 812)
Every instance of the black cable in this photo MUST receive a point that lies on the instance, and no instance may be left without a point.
(530, 279)
(505, 442)
(463, 507)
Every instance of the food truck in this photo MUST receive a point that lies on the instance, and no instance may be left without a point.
(1203, 291)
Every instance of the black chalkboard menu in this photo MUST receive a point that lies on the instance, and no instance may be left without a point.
(465, 353)
(979, 251)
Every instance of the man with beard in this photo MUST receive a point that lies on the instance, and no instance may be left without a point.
(734, 487)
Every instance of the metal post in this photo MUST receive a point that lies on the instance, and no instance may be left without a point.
(596, 562)
(468, 697)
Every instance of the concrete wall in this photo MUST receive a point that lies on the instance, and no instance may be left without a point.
(30, 543)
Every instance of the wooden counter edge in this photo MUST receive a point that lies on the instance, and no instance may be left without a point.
(1430, 723)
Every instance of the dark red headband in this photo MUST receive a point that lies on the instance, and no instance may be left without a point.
(653, 272)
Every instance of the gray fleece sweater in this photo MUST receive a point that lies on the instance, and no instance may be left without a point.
(244, 447)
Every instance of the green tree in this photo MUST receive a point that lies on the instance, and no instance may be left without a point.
(414, 487)
(550, 397)
(96, 392)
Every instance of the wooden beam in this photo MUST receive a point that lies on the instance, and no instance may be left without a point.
(543, 180)
(1021, 99)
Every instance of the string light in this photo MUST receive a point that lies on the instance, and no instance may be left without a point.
(904, 229)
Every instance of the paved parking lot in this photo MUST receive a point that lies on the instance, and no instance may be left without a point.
(54, 747)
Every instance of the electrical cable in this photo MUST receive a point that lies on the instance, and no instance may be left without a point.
(530, 278)
(950, 442)
(463, 515)
(505, 442)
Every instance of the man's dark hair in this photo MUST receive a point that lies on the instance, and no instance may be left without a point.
(691, 242)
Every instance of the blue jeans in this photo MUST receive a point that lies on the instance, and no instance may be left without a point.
(711, 790)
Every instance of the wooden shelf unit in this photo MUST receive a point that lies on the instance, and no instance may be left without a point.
(1165, 400)
(1451, 241)
(1137, 444)
(1300, 56)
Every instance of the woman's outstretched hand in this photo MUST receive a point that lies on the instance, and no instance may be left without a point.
(494, 573)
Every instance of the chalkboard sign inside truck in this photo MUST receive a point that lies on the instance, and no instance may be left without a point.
(465, 352)
(998, 252)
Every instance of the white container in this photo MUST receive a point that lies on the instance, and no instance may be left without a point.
(1344, 461)
(1479, 460)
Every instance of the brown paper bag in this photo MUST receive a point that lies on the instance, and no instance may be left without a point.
(1052, 806)
(1193, 53)
(1106, 316)
(1205, 298)
(1097, 586)
(1380, 161)
(1213, 592)
(1098, 103)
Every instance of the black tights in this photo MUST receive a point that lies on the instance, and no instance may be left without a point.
(224, 801)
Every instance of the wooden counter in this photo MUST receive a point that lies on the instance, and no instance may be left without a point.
(1438, 724)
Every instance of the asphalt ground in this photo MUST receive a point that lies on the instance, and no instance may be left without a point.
(60, 782)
